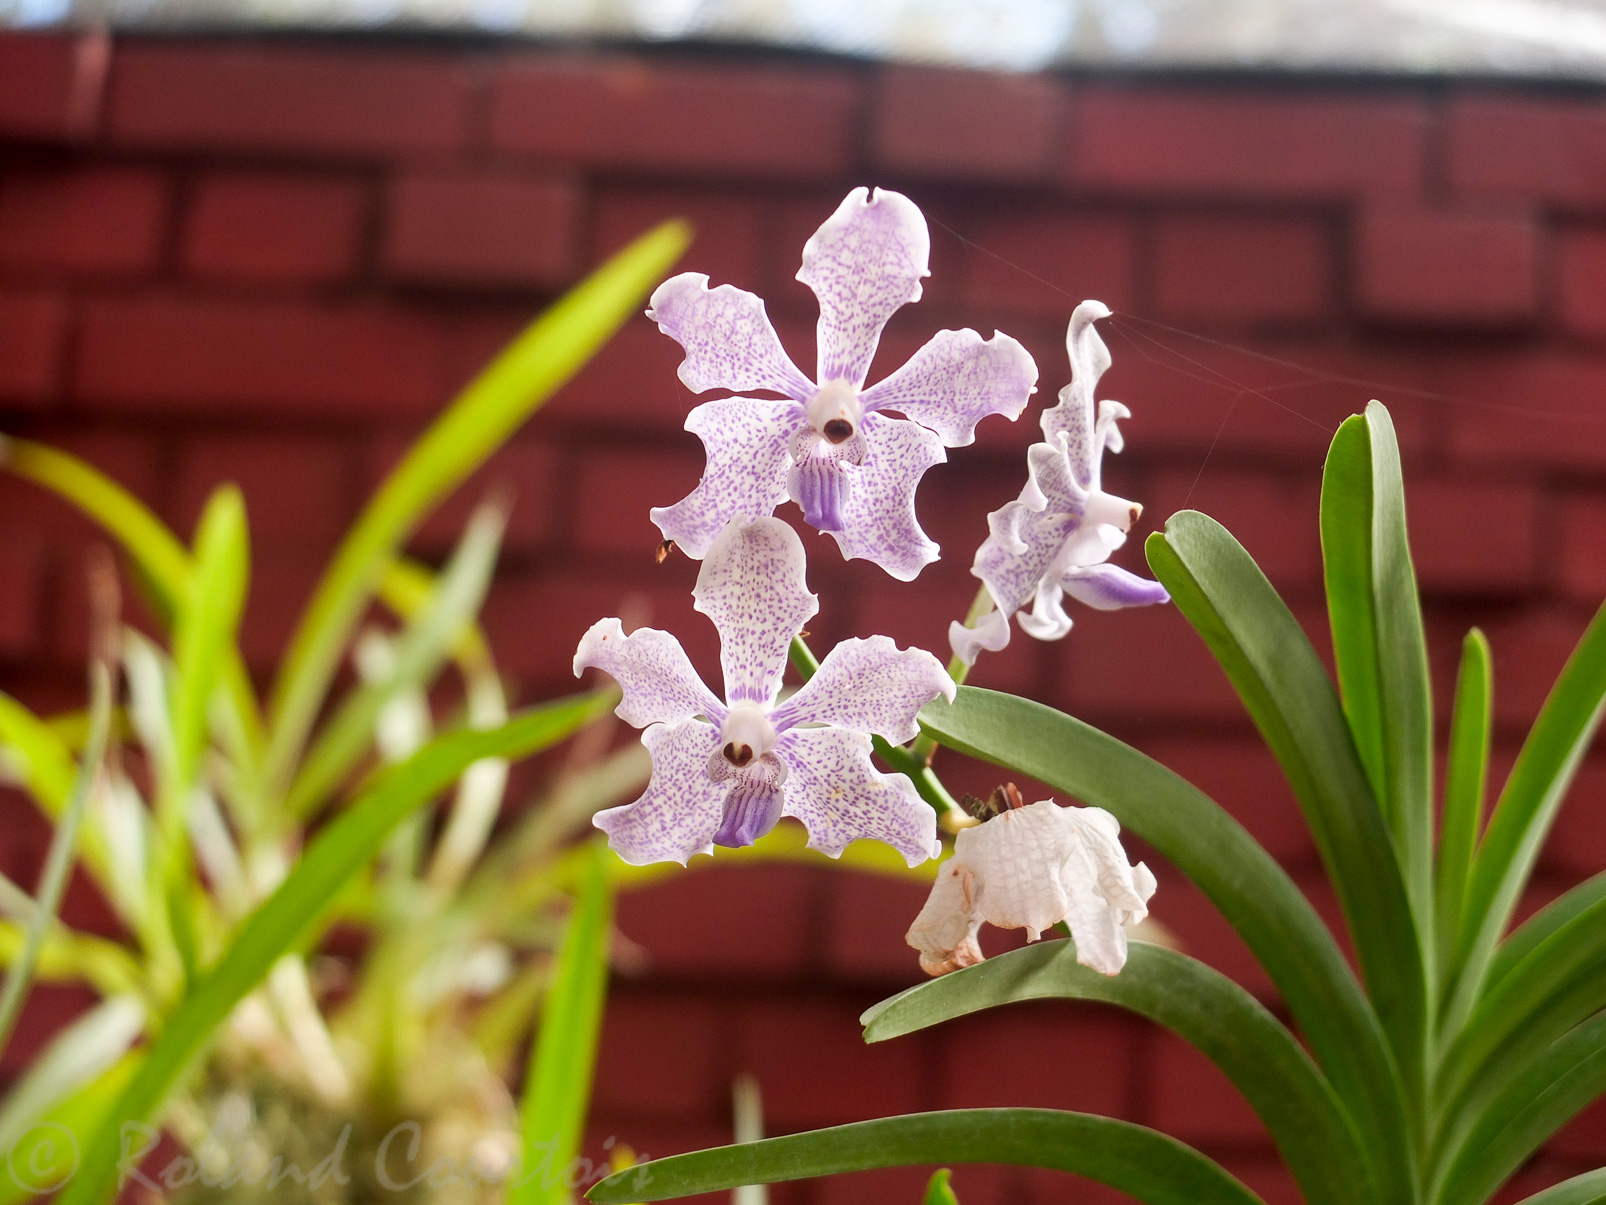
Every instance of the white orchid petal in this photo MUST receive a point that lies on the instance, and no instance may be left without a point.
(659, 683)
(869, 685)
(680, 811)
(752, 586)
(840, 797)
(945, 931)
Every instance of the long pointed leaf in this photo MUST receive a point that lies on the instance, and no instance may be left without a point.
(419, 654)
(1550, 1092)
(1587, 1189)
(1527, 807)
(1256, 896)
(1270, 662)
(549, 352)
(1465, 778)
(563, 1057)
(1150, 1166)
(290, 917)
(1211, 1012)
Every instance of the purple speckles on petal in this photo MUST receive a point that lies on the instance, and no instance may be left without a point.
(870, 686)
(659, 683)
(955, 381)
(681, 809)
(841, 797)
(729, 341)
(751, 585)
(820, 485)
(1073, 417)
(865, 262)
(879, 521)
(746, 440)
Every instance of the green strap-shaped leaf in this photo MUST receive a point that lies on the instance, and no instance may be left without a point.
(1551, 1090)
(158, 554)
(1287, 692)
(558, 1085)
(1587, 1189)
(1378, 642)
(48, 1152)
(291, 916)
(1211, 1012)
(531, 369)
(1150, 1166)
(1527, 807)
(1465, 777)
(1541, 925)
(423, 647)
(1256, 896)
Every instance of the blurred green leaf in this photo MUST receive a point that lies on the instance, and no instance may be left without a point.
(549, 352)
(421, 649)
(557, 1089)
(1549, 1092)
(1378, 642)
(1465, 779)
(1142, 1163)
(1539, 780)
(1585, 897)
(77, 1056)
(1212, 849)
(938, 1189)
(49, 1152)
(291, 917)
(59, 858)
(1210, 1012)
(159, 555)
(1270, 662)
(1587, 1189)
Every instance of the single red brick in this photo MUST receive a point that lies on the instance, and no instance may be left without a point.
(1043, 1186)
(660, 1054)
(1474, 537)
(1045, 263)
(802, 1050)
(526, 470)
(1445, 267)
(1021, 1056)
(33, 334)
(299, 99)
(730, 241)
(748, 921)
(1529, 652)
(90, 219)
(1584, 1137)
(1581, 279)
(51, 84)
(274, 227)
(1539, 408)
(282, 581)
(1577, 844)
(296, 488)
(1233, 142)
(1582, 561)
(1266, 1177)
(1527, 147)
(1276, 518)
(882, 1184)
(1241, 775)
(865, 923)
(1191, 1099)
(167, 354)
(635, 113)
(970, 125)
(1241, 268)
(482, 228)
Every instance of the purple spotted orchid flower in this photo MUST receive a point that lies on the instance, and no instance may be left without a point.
(724, 773)
(830, 445)
(1056, 538)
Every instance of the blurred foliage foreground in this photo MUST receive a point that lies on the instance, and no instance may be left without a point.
(229, 834)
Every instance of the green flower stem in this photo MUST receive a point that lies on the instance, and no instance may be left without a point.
(925, 746)
(900, 758)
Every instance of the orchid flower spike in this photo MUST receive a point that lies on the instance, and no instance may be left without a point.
(723, 773)
(1056, 538)
(831, 446)
(1030, 868)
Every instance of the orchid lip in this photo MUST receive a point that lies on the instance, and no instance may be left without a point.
(834, 411)
(747, 734)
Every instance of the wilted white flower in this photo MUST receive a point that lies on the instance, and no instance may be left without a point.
(1030, 868)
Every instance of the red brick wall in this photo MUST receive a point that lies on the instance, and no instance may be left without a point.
(272, 261)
